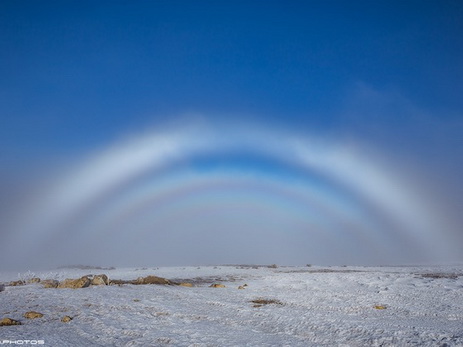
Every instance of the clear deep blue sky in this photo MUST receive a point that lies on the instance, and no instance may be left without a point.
(76, 73)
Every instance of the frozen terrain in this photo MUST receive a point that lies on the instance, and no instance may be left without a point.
(314, 306)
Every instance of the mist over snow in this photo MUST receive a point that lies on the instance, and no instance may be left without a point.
(223, 193)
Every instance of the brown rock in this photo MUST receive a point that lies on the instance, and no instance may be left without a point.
(120, 282)
(266, 301)
(16, 283)
(217, 285)
(34, 280)
(33, 315)
(152, 280)
(66, 319)
(186, 285)
(82, 282)
(50, 283)
(9, 321)
(143, 280)
(100, 280)
(380, 307)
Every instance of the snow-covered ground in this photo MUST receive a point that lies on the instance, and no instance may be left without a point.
(319, 307)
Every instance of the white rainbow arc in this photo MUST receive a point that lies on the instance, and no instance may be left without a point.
(113, 183)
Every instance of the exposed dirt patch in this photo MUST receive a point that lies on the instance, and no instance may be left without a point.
(208, 280)
(440, 275)
(261, 301)
(314, 271)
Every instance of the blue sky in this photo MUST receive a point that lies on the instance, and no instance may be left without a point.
(75, 73)
(387, 76)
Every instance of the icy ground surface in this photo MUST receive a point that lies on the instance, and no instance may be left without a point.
(320, 307)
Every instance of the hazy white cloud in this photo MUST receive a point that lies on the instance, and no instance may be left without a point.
(135, 195)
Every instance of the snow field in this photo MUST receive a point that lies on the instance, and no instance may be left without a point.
(318, 308)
